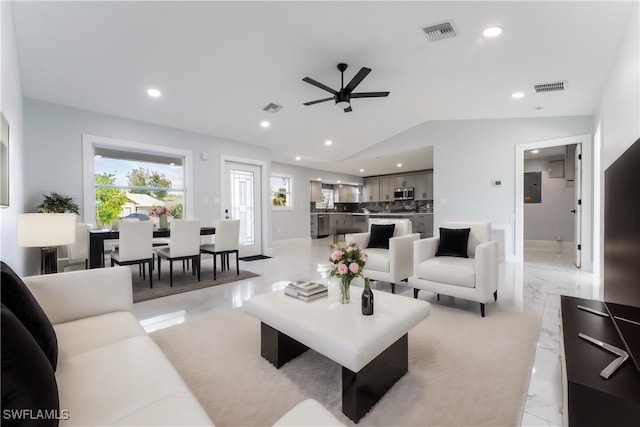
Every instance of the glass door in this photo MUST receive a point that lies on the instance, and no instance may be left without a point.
(241, 200)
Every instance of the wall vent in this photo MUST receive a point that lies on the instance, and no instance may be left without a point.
(550, 87)
(272, 108)
(440, 31)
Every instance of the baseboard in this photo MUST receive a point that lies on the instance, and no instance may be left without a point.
(548, 244)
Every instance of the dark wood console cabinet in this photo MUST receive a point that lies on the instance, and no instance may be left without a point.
(591, 400)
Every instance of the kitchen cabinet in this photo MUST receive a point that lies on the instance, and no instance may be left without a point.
(424, 186)
(346, 194)
(316, 191)
(406, 181)
(371, 190)
(387, 185)
(341, 223)
(423, 224)
(313, 222)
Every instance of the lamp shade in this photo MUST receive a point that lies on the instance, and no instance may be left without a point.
(40, 230)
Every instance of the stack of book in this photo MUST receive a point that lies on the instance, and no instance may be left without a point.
(306, 291)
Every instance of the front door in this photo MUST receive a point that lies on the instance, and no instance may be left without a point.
(241, 200)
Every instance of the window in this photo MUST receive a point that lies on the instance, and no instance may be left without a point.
(326, 199)
(282, 191)
(129, 179)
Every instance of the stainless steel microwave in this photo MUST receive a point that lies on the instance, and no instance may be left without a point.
(403, 193)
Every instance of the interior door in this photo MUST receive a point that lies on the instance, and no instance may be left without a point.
(241, 200)
(578, 204)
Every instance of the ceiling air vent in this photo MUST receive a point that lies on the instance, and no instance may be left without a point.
(272, 108)
(440, 31)
(550, 87)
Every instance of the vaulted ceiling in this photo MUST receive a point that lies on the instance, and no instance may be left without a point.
(218, 64)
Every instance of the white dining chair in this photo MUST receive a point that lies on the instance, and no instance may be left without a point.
(135, 246)
(78, 251)
(227, 241)
(184, 244)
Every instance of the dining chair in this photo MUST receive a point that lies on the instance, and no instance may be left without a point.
(184, 244)
(135, 246)
(78, 251)
(227, 241)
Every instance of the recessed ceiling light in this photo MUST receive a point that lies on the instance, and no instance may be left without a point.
(399, 165)
(361, 170)
(338, 181)
(319, 179)
(154, 93)
(265, 124)
(297, 157)
(535, 151)
(517, 95)
(328, 142)
(492, 32)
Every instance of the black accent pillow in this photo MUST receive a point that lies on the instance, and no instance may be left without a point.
(453, 242)
(29, 384)
(17, 298)
(380, 235)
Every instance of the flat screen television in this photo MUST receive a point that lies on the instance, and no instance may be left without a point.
(622, 229)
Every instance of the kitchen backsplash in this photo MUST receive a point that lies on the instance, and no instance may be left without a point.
(420, 206)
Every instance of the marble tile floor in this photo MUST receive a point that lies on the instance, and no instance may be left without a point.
(534, 286)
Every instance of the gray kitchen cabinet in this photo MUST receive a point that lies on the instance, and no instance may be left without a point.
(406, 181)
(316, 191)
(371, 190)
(423, 224)
(313, 222)
(387, 185)
(341, 223)
(424, 186)
(347, 194)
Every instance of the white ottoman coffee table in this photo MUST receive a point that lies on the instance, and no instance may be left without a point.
(373, 350)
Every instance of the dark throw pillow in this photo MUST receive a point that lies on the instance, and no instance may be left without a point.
(17, 298)
(453, 242)
(29, 389)
(380, 235)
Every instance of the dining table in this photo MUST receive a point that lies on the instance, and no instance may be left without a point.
(98, 236)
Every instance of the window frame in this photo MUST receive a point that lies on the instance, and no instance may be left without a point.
(89, 142)
(290, 199)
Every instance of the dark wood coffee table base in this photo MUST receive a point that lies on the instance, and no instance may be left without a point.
(360, 390)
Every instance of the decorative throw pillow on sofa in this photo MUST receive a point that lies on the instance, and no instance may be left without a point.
(380, 235)
(453, 242)
(29, 389)
(17, 298)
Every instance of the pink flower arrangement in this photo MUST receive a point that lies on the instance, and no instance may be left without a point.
(158, 210)
(347, 261)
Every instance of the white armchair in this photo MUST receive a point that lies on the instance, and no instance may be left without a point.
(474, 278)
(388, 265)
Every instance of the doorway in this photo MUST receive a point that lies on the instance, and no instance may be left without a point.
(582, 218)
(242, 189)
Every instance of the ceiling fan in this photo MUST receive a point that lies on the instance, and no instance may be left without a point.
(344, 96)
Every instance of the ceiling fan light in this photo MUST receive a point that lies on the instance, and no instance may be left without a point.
(342, 104)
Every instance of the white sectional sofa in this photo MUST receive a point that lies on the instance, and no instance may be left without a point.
(110, 372)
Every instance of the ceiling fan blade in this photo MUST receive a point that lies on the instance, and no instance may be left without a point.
(319, 100)
(369, 95)
(320, 85)
(348, 109)
(355, 81)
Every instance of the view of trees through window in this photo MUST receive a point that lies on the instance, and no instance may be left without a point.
(132, 183)
(281, 191)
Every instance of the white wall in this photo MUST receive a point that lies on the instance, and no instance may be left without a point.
(469, 154)
(11, 107)
(552, 217)
(294, 224)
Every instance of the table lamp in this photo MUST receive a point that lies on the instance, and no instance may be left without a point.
(46, 231)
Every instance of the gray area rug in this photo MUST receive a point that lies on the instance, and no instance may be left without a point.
(464, 370)
(182, 282)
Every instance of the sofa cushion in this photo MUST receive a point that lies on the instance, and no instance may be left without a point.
(453, 242)
(17, 298)
(28, 380)
(380, 235)
(378, 260)
(450, 270)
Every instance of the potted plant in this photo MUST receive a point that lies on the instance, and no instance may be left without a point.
(162, 213)
(57, 203)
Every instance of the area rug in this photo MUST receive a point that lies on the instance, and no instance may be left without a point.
(464, 370)
(182, 282)
(254, 257)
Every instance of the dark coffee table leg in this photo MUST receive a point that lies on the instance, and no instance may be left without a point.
(361, 390)
(277, 347)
